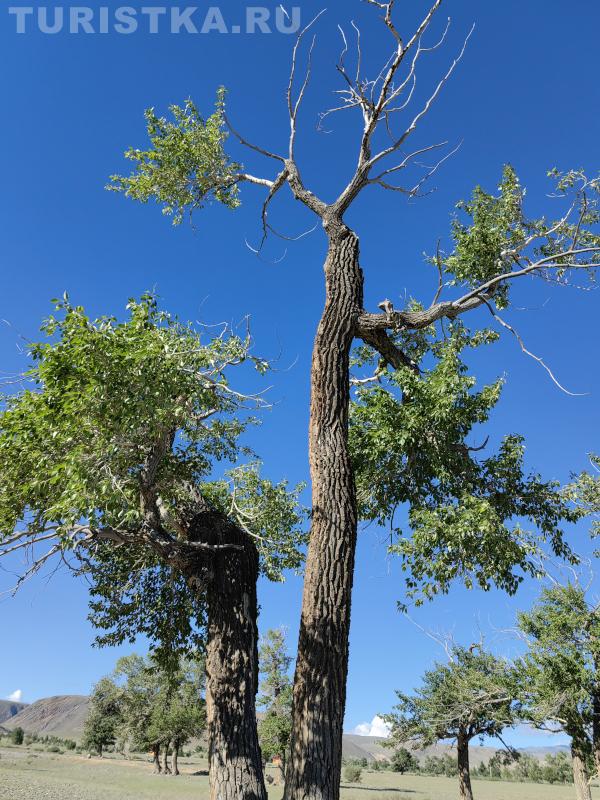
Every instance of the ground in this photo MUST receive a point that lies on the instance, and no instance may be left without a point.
(27, 774)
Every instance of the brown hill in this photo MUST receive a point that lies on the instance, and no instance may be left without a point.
(9, 709)
(62, 716)
(372, 748)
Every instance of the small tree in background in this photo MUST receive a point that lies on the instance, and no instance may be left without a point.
(404, 761)
(472, 695)
(353, 773)
(560, 690)
(275, 697)
(17, 736)
(105, 716)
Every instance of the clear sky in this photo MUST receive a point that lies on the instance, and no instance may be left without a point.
(527, 92)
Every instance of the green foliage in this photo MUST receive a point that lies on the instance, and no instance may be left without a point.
(17, 736)
(410, 436)
(105, 716)
(404, 761)
(104, 397)
(560, 666)
(352, 773)
(498, 237)
(440, 765)
(275, 728)
(143, 703)
(186, 165)
(525, 768)
(473, 694)
(584, 492)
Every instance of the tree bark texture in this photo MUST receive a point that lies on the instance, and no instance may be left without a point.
(235, 763)
(165, 760)
(156, 758)
(314, 765)
(581, 776)
(175, 758)
(596, 718)
(464, 772)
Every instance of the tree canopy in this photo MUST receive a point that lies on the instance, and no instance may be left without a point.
(116, 433)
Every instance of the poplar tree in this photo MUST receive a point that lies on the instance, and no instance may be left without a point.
(495, 242)
(474, 694)
(560, 670)
(109, 455)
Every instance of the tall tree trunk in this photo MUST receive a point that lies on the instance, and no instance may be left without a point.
(235, 763)
(175, 758)
(165, 762)
(156, 758)
(596, 717)
(314, 764)
(581, 776)
(464, 773)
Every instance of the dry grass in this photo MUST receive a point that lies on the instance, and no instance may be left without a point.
(26, 774)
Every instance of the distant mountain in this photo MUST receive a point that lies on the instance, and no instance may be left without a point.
(65, 715)
(9, 709)
(372, 748)
(62, 716)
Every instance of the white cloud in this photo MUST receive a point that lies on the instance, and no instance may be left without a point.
(377, 727)
(16, 696)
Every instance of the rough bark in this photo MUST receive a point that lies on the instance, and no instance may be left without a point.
(464, 773)
(581, 776)
(156, 759)
(175, 758)
(596, 718)
(314, 764)
(165, 760)
(235, 763)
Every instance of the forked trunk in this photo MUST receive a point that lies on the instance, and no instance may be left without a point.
(235, 763)
(464, 773)
(156, 759)
(165, 762)
(581, 777)
(314, 764)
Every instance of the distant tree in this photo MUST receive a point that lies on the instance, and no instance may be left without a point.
(404, 761)
(352, 773)
(275, 698)
(585, 493)
(108, 454)
(178, 713)
(560, 690)
(105, 716)
(17, 736)
(471, 695)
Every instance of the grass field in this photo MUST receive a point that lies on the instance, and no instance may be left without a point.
(29, 775)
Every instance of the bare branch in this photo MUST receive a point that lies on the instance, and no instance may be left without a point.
(293, 107)
(254, 147)
(527, 352)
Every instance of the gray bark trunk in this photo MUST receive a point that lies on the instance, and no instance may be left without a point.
(175, 758)
(165, 761)
(235, 763)
(314, 765)
(464, 773)
(156, 759)
(581, 776)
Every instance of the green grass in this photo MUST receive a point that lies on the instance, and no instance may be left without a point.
(26, 774)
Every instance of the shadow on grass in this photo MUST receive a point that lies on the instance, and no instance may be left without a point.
(400, 792)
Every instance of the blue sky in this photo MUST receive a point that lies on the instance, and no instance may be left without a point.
(526, 92)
